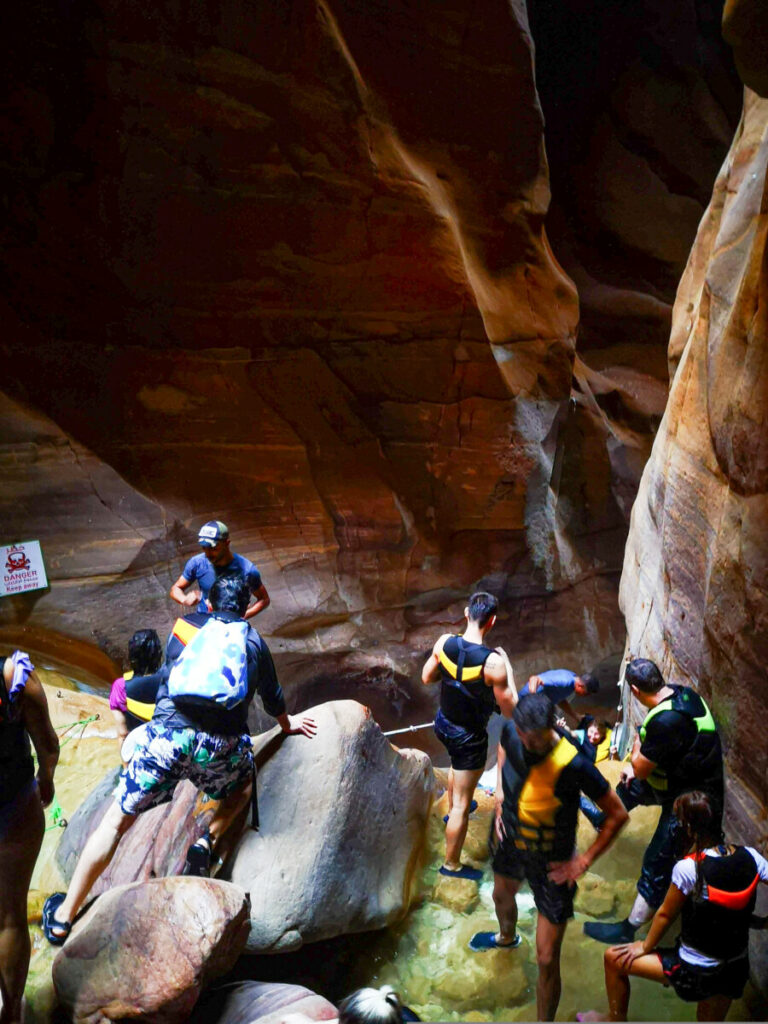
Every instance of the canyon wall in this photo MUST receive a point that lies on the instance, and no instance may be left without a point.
(292, 269)
(695, 584)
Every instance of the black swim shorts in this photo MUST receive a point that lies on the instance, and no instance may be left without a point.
(554, 901)
(693, 983)
(467, 750)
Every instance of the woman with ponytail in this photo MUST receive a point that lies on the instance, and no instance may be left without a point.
(714, 888)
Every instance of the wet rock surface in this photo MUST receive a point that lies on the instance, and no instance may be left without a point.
(255, 1002)
(144, 952)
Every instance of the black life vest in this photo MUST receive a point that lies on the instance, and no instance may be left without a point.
(465, 699)
(17, 768)
(716, 922)
(702, 766)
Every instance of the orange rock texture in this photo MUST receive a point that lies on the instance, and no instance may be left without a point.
(288, 266)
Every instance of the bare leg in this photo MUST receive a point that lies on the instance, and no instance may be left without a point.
(461, 786)
(504, 892)
(617, 983)
(96, 856)
(549, 939)
(20, 842)
(714, 1008)
(228, 821)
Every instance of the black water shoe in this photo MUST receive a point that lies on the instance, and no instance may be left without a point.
(614, 932)
(199, 858)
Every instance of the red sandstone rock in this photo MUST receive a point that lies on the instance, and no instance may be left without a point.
(145, 952)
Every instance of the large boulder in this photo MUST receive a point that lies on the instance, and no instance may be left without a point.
(343, 820)
(145, 952)
(257, 1002)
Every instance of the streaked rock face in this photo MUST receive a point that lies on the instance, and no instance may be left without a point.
(291, 271)
(180, 932)
(695, 583)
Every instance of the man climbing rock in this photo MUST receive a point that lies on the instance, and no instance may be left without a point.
(193, 736)
(215, 560)
(559, 684)
(474, 680)
(677, 750)
(541, 774)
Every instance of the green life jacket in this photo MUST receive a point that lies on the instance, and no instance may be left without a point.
(686, 702)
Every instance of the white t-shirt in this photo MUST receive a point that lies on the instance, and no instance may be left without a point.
(684, 877)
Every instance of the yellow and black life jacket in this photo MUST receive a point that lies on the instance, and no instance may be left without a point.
(465, 698)
(538, 803)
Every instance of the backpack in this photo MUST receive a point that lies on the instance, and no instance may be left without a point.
(213, 667)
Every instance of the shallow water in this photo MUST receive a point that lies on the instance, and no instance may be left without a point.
(426, 959)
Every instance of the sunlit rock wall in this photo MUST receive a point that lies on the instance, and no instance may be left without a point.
(289, 269)
(695, 583)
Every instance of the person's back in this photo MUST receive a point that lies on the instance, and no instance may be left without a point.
(680, 736)
(465, 698)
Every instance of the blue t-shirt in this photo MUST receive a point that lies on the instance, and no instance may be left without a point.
(206, 573)
(557, 684)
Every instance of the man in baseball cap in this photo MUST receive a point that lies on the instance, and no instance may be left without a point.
(217, 559)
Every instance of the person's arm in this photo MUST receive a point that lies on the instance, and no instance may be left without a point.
(122, 726)
(667, 913)
(430, 673)
(262, 601)
(567, 710)
(534, 682)
(37, 722)
(271, 692)
(501, 832)
(182, 596)
(615, 820)
(498, 673)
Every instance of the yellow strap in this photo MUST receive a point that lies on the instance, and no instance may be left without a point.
(184, 631)
(468, 676)
(603, 751)
(128, 675)
(139, 709)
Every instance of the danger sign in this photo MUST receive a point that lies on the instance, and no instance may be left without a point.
(21, 568)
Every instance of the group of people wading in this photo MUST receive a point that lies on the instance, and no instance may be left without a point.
(192, 717)
(544, 774)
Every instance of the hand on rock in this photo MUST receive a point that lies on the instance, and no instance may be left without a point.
(301, 725)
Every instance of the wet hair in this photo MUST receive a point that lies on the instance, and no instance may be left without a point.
(534, 711)
(699, 827)
(230, 593)
(145, 652)
(371, 1006)
(645, 675)
(591, 682)
(482, 607)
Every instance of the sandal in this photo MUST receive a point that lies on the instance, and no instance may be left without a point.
(199, 857)
(481, 941)
(50, 923)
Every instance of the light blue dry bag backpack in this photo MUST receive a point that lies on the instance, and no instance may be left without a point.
(213, 667)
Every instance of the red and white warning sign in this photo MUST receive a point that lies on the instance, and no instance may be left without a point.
(21, 568)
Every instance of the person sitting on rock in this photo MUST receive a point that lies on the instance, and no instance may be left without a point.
(23, 795)
(677, 750)
(559, 684)
(541, 773)
(714, 888)
(205, 742)
(131, 700)
(215, 560)
(474, 680)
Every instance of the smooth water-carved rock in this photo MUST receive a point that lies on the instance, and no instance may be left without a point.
(695, 583)
(145, 952)
(256, 1002)
(342, 825)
